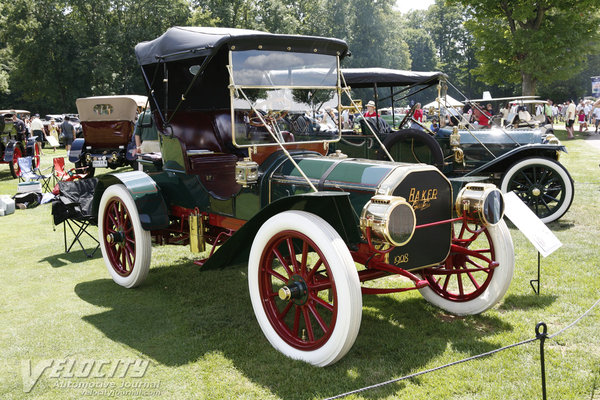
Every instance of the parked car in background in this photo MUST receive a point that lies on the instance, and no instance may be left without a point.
(520, 158)
(13, 146)
(107, 123)
(245, 170)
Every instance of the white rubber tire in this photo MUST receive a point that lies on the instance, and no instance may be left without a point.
(503, 273)
(345, 277)
(142, 239)
(554, 166)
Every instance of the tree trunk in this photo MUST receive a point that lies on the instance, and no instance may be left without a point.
(528, 85)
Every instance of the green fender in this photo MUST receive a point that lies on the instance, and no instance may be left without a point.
(145, 193)
(333, 207)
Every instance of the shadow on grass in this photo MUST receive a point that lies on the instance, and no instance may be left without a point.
(563, 224)
(182, 315)
(527, 301)
(73, 257)
(5, 174)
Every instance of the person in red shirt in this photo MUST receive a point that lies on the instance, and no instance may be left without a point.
(485, 116)
(418, 114)
(371, 109)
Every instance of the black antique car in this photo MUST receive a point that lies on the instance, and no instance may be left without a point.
(107, 123)
(13, 146)
(244, 170)
(521, 158)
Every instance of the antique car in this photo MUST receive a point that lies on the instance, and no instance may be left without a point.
(107, 123)
(12, 146)
(243, 171)
(523, 159)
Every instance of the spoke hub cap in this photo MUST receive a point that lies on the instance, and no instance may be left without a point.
(536, 191)
(115, 237)
(296, 290)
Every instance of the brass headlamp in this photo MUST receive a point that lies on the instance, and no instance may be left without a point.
(390, 218)
(482, 202)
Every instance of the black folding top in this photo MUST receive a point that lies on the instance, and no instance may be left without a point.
(366, 77)
(181, 42)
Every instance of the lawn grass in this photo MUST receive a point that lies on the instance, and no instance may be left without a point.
(198, 331)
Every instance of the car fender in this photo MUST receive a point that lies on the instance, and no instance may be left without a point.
(76, 149)
(9, 151)
(502, 163)
(131, 153)
(145, 192)
(30, 146)
(333, 207)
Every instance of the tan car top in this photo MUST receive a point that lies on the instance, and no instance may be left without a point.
(110, 108)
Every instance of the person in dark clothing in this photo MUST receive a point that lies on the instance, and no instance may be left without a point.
(19, 127)
(68, 132)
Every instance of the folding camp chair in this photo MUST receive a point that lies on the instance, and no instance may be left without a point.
(60, 175)
(30, 173)
(73, 208)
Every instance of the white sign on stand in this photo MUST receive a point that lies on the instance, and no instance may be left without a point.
(532, 227)
(52, 141)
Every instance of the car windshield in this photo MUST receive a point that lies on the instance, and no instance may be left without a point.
(288, 95)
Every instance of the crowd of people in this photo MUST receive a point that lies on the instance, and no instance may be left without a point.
(34, 127)
(586, 114)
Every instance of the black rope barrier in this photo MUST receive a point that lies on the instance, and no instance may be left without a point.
(541, 331)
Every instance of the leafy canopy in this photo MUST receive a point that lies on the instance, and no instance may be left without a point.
(531, 41)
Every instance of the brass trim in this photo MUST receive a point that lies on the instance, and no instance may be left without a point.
(376, 215)
(471, 200)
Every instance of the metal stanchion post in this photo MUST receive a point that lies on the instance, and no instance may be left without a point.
(542, 337)
(538, 276)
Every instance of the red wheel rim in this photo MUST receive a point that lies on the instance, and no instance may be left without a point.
(36, 156)
(469, 268)
(119, 237)
(307, 321)
(16, 155)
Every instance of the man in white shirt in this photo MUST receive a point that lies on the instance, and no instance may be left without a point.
(587, 109)
(37, 129)
(570, 118)
(596, 117)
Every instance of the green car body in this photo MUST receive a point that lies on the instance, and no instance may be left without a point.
(243, 169)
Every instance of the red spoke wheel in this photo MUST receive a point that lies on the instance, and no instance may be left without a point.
(15, 171)
(36, 154)
(126, 246)
(477, 272)
(304, 288)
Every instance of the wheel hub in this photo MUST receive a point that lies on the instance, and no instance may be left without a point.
(115, 237)
(296, 290)
(536, 191)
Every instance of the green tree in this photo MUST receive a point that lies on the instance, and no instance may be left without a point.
(375, 39)
(575, 87)
(41, 76)
(532, 41)
(227, 13)
(76, 48)
(422, 50)
(454, 43)
(5, 57)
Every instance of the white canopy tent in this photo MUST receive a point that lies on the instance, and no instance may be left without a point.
(450, 102)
